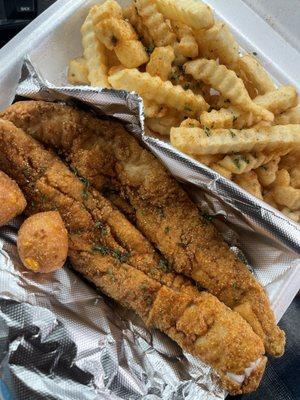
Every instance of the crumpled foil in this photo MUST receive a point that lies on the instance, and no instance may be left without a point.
(61, 339)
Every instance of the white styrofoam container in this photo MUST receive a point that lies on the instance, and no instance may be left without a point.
(61, 24)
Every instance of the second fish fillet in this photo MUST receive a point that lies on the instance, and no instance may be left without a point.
(197, 321)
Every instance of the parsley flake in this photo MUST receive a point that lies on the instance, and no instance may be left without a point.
(237, 162)
(175, 76)
(233, 135)
(164, 265)
(122, 257)
(85, 190)
(74, 170)
(100, 225)
(150, 49)
(100, 249)
(208, 217)
(207, 131)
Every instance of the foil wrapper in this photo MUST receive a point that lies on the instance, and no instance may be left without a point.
(61, 339)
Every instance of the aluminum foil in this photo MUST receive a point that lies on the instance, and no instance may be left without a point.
(61, 339)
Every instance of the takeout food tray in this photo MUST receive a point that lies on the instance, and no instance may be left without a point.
(54, 38)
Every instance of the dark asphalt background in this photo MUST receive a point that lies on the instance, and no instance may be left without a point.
(282, 377)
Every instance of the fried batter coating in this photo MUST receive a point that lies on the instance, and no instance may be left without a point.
(198, 321)
(114, 162)
(38, 240)
(12, 200)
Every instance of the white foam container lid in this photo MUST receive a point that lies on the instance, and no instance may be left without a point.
(61, 23)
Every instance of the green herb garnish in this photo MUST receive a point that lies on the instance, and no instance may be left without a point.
(237, 162)
(208, 217)
(74, 170)
(233, 135)
(100, 249)
(175, 76)
(235, 285)
(167, 230)
(150, 49)
(100, 225)
(163, 264)
(207, 131)
(245, 159)
(85, 190)
(118, 255)
(152, 272)
(187, 108)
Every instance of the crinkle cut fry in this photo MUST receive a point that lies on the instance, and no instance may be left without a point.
(158, 28)
(218, 43)
(136, 21)
(118, 35)
(113, 161)
(194, 320)
(153, 88)
(291, 116)
(224, 141)
(160, 63)
(227, 83)
(193, 13)
(187, 45)
(277, 102)
(256, 74)
(94, 53)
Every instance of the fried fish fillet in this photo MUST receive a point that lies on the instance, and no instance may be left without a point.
(197, 321)
(115, 164)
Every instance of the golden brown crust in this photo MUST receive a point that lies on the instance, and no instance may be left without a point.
(104, 153)
(204, 326)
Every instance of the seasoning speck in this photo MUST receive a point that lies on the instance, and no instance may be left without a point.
(207, 131)
(100, 249)
(122, 257)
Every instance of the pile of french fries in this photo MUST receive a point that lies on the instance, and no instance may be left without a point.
(216, 105)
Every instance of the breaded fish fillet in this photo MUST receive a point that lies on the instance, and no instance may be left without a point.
(114, 163)
(198, 321)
